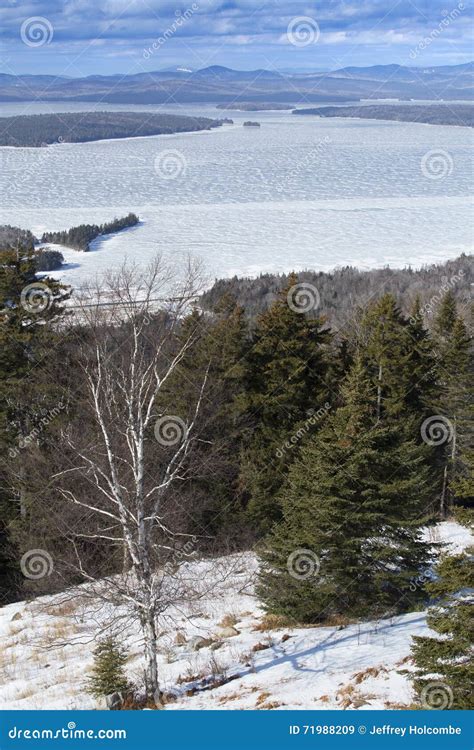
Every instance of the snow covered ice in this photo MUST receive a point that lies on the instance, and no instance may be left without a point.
(300, 192)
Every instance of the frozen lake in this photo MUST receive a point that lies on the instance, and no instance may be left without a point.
(298, 192)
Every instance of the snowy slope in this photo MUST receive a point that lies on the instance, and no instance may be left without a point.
(47, 650)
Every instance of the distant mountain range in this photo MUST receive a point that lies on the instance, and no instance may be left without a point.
(218, 84)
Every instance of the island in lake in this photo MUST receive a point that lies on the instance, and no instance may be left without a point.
(80, 127)
(434, 114)
(250, 124)
(255, 106)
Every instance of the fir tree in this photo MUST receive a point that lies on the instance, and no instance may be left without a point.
(445, 671)
(456, 367)
(354, 501)
(446, 316)
(108, 675)
(287, 380)
(27, 306)
(400, 360)
(218, 355)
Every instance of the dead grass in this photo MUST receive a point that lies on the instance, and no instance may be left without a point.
(262, 698)
(228, 621)
(260, 647)
(400, 706)
(57, 633)
(15, 627)
(406, 660)
(273, 622)
(359, 677)
(62, 609)
(262, 704)
(231, 697)
(27, 692)
(349, 697)
(334, 621)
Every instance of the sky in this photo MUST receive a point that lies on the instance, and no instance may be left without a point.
(85, 37)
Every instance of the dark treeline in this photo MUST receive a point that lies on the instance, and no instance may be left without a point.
(435, 114)
(321, 449)
(11, 237)
(80, 237)
(48, 260)
(347, 289)
(79, 127)
(14, 237)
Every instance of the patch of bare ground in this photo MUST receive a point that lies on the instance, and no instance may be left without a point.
(359, 677)
(349, 697)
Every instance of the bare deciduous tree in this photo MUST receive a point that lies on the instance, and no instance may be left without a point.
(129, 351)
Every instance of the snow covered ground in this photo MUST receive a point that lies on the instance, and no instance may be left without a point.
(47, 646)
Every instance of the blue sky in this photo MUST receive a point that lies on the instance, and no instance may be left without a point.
(84, 37)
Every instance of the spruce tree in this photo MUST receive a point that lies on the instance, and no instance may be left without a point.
(352, 507)
(400, 360)
(108, 675)
(456, 368)
(218, 356)
(446, 316)
(27, 308)
(286, 382)
(445, 669)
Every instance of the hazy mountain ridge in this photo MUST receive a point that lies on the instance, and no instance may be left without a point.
(221, 84)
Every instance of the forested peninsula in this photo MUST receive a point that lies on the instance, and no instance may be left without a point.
(433, 114)
(80, 127)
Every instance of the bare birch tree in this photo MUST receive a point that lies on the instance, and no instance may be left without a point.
(128, 352)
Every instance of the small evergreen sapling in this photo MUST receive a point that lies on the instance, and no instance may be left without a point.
(108, 675)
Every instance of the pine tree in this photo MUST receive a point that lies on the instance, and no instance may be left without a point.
(108, 675)
(353, 506)
(27, 307)
(445, 670)
(286, 381)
